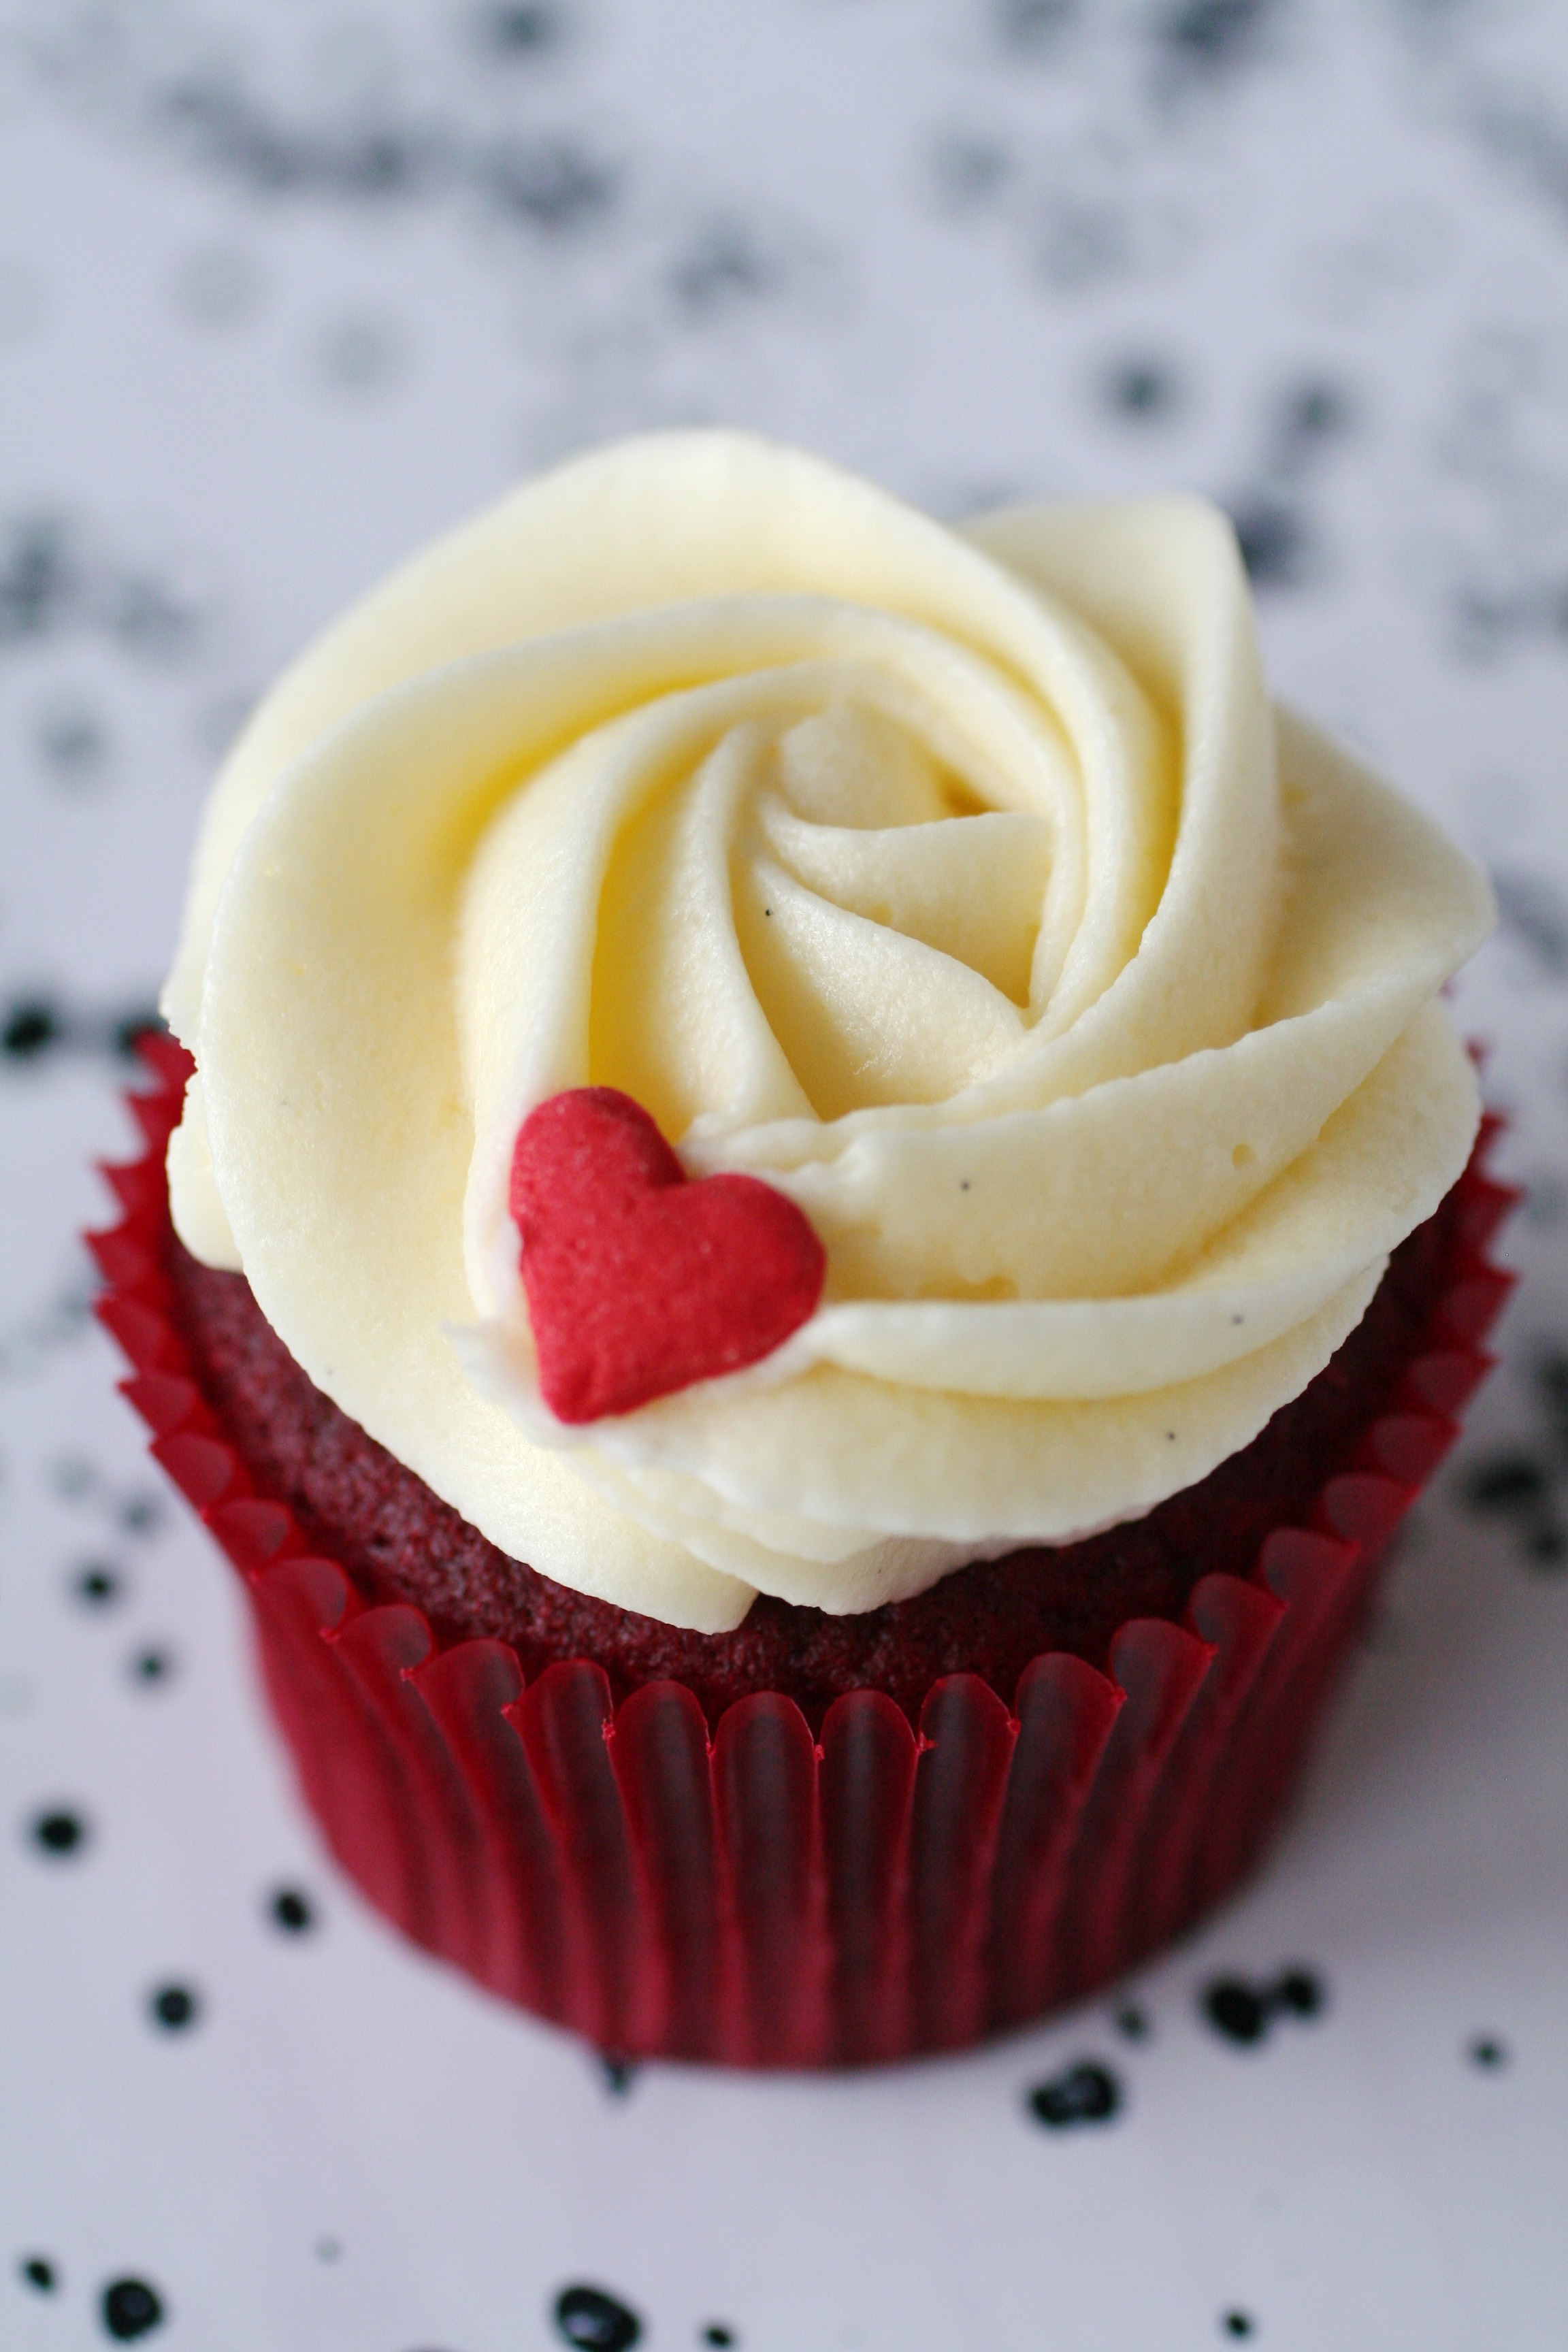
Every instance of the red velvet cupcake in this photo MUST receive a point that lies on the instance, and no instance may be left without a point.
(828, 1216)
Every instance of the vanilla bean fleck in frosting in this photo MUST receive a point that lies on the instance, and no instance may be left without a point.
(962, 884)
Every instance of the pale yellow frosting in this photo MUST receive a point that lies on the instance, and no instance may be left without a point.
(962, 884)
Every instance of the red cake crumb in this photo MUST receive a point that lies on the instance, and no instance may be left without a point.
(399, 1541)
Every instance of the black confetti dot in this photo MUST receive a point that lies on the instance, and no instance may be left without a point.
(1547, 1545)
(38, 2271)
(1299, 1990)
(1487, 2051)
(97, 1586)
(587, 2316)
(717, 2333)
(1132, 2022)
(36, 1029)
(130, 2308)
(548, 184)
(1240, 2322)
(1546, 1200)
(1244, 2013)
(1210, 36)
(1085, 2094)
(58, 1831)
(1318, 413)
(1518, 1486)
(1273, 539)
(292, 1911)
(218, 125)
(39, 579)
(619, 2073)
(1505, 1482)
(1143, 390)
(522, 28)
(73, 743)
(152, 1666)
(1535, 916)
(328, 2250)
(140, 1514)
(175, 2007)
(32, 1026)
(1235, 2011)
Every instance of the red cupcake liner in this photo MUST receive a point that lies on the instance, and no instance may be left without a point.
(759, 1896)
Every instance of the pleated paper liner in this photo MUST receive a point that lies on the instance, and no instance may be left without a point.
(759, 1896)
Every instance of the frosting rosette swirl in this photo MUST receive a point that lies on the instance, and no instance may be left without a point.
(962, 885)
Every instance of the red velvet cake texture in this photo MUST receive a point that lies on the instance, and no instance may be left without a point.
(399, 1541)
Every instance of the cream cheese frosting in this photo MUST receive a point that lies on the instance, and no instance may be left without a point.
(962, 884)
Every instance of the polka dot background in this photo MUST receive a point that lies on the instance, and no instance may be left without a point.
(284, 289)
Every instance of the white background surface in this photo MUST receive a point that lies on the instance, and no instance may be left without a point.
(284, 289)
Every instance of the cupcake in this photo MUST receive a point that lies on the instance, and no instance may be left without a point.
(819, 1212)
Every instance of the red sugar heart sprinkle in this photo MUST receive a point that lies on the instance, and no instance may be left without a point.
(639, 1279)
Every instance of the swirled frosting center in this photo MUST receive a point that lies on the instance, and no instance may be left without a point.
(964, 886)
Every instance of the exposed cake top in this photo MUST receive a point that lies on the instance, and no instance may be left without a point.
(959, 887)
